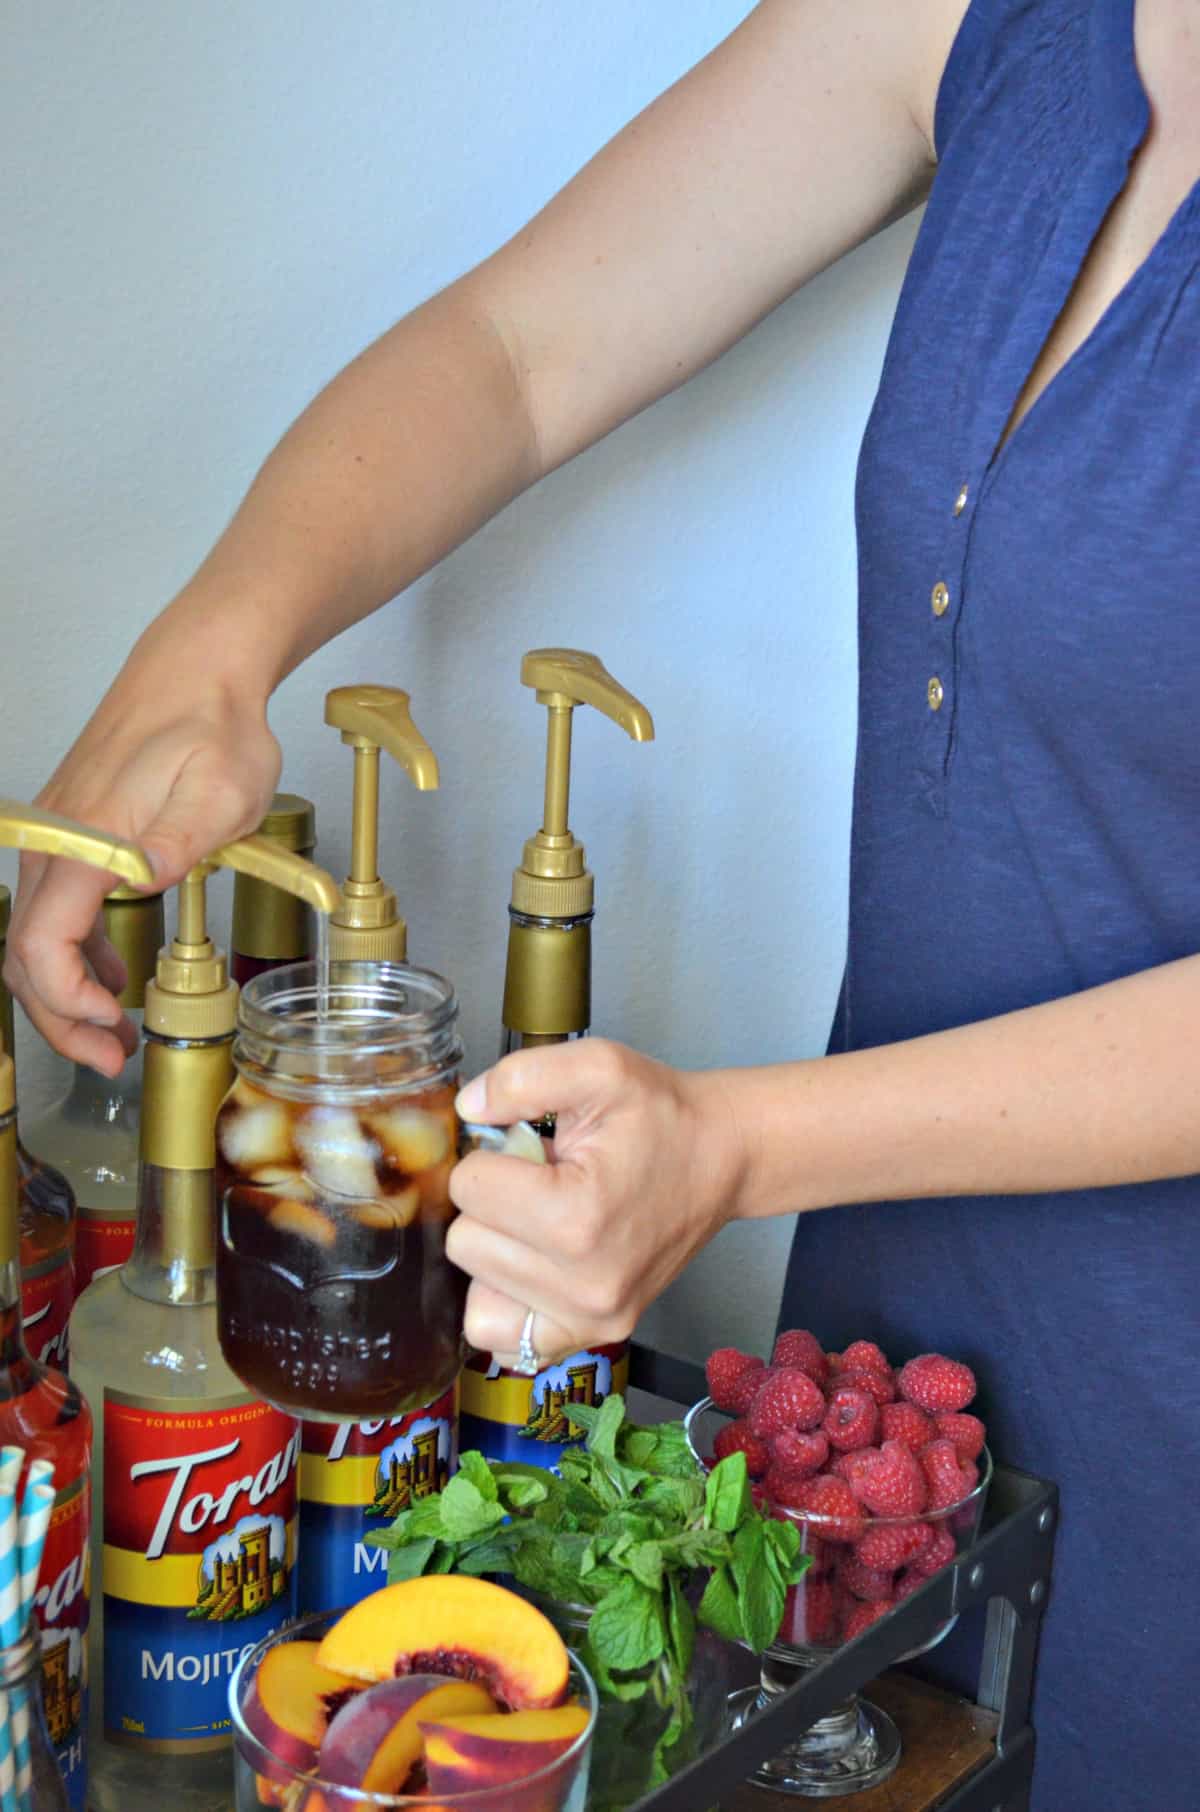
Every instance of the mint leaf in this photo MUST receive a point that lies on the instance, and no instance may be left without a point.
(473, 1466)
(681, 1629)
(644, 1560)
(520, 1487)
(465, 1511)
(408, 1562)
(602, 1435)
(719, 1608)
(761, 1591)
(727, 1493)
(627, 1627)
(662, 1450)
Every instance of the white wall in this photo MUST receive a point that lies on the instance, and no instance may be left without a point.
(205, 212)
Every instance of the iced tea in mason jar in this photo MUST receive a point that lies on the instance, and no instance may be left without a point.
(336, 1300)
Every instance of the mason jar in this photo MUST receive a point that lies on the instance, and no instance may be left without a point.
(336, 1300)
(37, 1785)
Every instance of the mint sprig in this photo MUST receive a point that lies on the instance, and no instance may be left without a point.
(631, 1529)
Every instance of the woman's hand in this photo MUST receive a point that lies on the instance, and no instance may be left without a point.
(179, 759)
(647, 1167)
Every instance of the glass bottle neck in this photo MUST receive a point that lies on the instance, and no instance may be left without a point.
(108, 1100)
(174, 1253)
(174, 1249)
(12, 1338)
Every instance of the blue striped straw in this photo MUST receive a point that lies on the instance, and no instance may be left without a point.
(8, 1795)
(36, 1507)
(11, 1461)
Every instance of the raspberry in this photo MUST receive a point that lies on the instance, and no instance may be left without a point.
(736, 1437)
(905, 1423)
(784, 1488)
(852, 1419)
(724, 1369)
(813, 1612)
(865, 1356)
(849, 1466)
(821, 1554)
(879, 1386)
(967, 1433)
(797, 1347)
(949, 1478)
(892, 1545)
(890, 1481)
(865, 1582)
(934, 1383)
(834, 1362)
(799, 1454)
(832, 1498)
(786, 1398)
(862, 1616)
(742, 1391)
(938, 1554)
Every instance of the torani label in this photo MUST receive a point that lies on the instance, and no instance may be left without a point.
(508, 1417)
(102, 1242)
(47, 1296)
(62, 1613)
(355, 1477)
(199, 1556)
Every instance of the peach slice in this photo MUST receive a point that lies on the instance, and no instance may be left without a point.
(464, 1754)
(452, 1624)
(375, 1738)
(292, 1700)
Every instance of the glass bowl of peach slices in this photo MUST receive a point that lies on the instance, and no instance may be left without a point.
(445, 1693)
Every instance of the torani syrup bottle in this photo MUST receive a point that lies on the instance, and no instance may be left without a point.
(548, 1000)
(40, 1409)
(356, 1476)
(91, 1133)
(47, 1217)
(194, 1518)
(271, 926)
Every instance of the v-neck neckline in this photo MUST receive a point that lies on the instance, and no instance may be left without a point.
(1119, 96)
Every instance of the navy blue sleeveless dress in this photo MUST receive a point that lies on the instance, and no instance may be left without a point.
(1026, 825)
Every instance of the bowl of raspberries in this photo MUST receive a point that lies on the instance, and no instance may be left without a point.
(882, 1468)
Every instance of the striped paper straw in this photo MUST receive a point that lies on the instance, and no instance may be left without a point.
(36, 1506)
(11, 1461)
(8, 1792)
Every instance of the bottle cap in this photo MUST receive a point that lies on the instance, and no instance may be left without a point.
(268, 922)
(133, 924)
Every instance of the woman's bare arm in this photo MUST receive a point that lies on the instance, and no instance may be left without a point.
(796, 139)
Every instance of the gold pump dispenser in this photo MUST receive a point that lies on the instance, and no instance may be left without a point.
(367, 926)
(191, 1006)
(548, 977)
(29, 828)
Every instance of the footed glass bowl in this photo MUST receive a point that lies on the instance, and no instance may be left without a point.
(266, 1773)
(857, 1745)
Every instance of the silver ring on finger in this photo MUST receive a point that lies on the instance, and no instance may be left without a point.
(528, 1365)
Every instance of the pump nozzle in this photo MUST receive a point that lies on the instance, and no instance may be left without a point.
(553, 880)
(28, 827)
(191, 996)
(547, 984)
(367, 926)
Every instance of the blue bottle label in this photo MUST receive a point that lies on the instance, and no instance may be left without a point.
(355, 1477)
